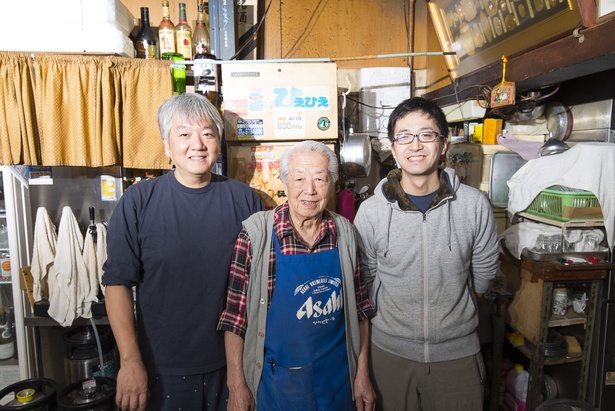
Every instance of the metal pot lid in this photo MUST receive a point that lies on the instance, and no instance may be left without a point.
(559, 120)
(95, 391)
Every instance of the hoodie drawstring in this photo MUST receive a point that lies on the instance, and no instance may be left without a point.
(386, 246)
(450, 225)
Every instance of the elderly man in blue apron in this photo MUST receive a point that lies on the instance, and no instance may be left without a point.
(297, 313)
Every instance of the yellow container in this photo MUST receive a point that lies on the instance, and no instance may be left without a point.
(492, 127)
(477, 134)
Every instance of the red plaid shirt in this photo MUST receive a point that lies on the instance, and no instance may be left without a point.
(234, 317)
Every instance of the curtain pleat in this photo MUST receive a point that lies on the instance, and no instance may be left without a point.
(145, 86)
(18, 135)
(72, 110)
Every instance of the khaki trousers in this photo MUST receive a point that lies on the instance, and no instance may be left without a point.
(404, 385)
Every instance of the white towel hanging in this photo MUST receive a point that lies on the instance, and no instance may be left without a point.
(43, 254)
(68, 277)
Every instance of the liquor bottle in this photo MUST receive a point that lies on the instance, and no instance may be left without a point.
(135, 29)
(183, 34)
(179, 72)
(7, 348)
(146, 44)
(200, 37)
(166, 31)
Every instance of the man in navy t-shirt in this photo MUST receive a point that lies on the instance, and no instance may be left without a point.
(172, 238)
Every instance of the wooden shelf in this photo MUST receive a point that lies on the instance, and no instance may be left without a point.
(568, 358)
(554, 62)
(563, 224)
(570, 318)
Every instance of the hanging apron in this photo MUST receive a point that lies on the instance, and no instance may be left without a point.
(306, 360)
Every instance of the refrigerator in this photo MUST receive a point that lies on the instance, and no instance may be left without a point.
(15, 248)
(601, 390)
(38, 343)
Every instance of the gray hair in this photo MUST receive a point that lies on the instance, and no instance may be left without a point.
(309, 146)
(187, 106)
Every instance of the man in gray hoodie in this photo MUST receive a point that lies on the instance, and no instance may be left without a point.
(429, 250)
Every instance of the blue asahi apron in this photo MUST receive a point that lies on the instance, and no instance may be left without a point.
(306, 362)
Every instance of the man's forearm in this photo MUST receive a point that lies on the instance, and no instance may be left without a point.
(234, 360)
(120, 310)
(363, 365)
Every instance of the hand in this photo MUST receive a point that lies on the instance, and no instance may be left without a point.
(131, 391)
(240, 399)
(364, 393)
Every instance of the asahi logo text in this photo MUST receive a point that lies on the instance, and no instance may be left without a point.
(313, 308)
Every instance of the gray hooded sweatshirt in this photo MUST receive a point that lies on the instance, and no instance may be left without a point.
(423, 270)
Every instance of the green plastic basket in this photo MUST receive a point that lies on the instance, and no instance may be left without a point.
(562, 204)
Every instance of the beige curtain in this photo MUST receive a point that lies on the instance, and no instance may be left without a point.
(72, 110)
(18, 132)
(76, 110)
(145, 85)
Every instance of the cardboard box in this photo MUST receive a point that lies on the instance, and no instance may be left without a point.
(491, 129)
(280, 101)
(90, 26)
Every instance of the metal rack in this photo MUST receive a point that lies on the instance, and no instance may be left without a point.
(541, 277)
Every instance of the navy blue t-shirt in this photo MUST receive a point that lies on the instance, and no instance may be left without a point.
(422, 202)
(175, 244)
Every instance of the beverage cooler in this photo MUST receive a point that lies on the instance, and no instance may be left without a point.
(16, 355)
(31, 343)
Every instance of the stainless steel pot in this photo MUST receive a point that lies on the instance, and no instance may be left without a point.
(356, 155)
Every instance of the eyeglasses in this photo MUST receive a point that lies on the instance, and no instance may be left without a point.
(424, 137)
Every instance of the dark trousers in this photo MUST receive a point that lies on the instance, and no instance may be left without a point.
(206, 392)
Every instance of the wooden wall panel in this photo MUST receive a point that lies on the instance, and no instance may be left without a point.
(336, 28)
(345, 29)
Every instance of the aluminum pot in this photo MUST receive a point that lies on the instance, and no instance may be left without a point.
(356, 155)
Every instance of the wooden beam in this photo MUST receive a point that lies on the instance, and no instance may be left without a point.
(561, 60)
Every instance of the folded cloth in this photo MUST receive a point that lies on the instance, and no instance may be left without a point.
(43, 253)
(68, 277)
(528, 150)
(588, 166)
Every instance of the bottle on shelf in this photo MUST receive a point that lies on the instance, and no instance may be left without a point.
(206, 74)
(7, 347)
(515, 390)
(146, 44)
(183, 34)
(166, 31)
(178, 71)
(136, 28)
(200, 37)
